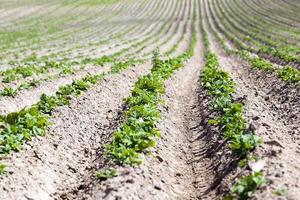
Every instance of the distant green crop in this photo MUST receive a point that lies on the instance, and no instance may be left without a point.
(287, 73)
(119, 66)
(89, 2)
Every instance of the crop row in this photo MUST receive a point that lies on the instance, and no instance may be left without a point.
(139, 131)
(233, 126)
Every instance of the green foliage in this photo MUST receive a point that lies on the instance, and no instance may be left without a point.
(138, 132)
(89, 2)
(8, 91)
(104, 59)
(2, 169)
(289, 74)
(99, 61)
(22, 72)
(67, 70)
(20, 127)
(280, 192)
(48, 103)
(233, 125)
(283, 53)
(243, 143)
(106, 174)
(246, 186)
(9, 76)
(29, 84)
(260, 63)
(232, 121)
(119, 66)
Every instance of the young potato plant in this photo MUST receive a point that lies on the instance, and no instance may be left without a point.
(246, 186)
(21, 126)
(24, 71)
(106, 174)
(119, 66)
(8, 91)
(289, 74)
(2, 169)
(282, 53)
(260, 63)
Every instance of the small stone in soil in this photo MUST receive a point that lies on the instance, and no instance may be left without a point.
(159, 158)
(157, 187)
(130, 181)
(178, 174)
(255, 118)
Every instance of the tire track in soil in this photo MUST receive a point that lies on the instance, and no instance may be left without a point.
(272, 109)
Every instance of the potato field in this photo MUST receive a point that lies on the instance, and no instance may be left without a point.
(149, 99)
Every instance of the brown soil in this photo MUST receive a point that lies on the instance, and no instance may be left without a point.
(47, 163)
(190, 160)
(272, 108)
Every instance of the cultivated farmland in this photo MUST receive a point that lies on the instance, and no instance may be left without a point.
(154, 100)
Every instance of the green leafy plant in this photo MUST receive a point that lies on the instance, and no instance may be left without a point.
(261, 63)
(243, 143)
(280, 192)
(8, 91)
(29, 84)
(106, 174)
(2, 168)
(119, 66)
(67, 70)
(20, 127)
(289, 74)
(246, 186)
(231, 121)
